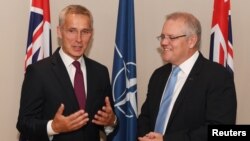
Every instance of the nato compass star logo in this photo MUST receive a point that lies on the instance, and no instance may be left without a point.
(125, 88)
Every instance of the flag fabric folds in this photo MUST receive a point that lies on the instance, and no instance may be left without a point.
(221, 43)
(39, 34)
(124, 82)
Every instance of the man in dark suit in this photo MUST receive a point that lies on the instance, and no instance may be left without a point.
(204, 93)
(49, 108)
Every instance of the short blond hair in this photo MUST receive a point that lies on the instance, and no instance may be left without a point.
(75, 9)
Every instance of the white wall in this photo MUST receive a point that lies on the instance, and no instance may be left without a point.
(149, 16)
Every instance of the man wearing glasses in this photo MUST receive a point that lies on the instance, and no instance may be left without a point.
(189, 92)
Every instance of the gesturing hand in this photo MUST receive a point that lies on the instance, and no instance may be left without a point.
(151, 136)
(105, 116)
(69, 123)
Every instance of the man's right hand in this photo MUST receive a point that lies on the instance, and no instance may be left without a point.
(69, 123)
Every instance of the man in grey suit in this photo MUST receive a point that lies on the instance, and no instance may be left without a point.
(49, 108)
(204, 93)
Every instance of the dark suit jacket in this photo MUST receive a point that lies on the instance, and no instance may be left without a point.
(207, 97)
(47, 85)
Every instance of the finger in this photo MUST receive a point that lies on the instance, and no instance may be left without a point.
(98, 122)
(76, 115)
(58, 119)
(107, 108)
(60, 110)
(99, 119)
(143, 138)
(79, 121)
(101, 116)
(153, 135)
(107, 102)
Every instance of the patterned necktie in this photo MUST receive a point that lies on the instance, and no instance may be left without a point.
(79, 85)
(164, 107)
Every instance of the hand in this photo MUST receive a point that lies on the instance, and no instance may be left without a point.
(152, 136)
(105, 116)
(69, 123)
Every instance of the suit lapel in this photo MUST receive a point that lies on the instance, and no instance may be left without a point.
(62, 75)
(97, 87)
(156, 88)
(188, 85)
(91, 85)
(160, 85)
(88, 79)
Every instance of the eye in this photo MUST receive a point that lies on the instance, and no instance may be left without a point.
(172, 37)
(86, 31)
(176, 37)
(160, 37)
(71, 30)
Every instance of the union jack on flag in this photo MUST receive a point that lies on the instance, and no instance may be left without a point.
(221, 43)
(39, 35)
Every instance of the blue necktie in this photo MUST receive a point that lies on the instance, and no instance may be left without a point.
(166, 100)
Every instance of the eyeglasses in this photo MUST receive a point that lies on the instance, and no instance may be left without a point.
(169, 37)
(72, 32)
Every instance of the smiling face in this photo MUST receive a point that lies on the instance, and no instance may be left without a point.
(75, 34)
(177, 50)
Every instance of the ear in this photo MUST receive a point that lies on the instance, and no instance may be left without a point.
(59, 32)
(192, 41)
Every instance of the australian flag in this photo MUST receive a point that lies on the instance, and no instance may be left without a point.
(221, 43)
(124, 83)
(39, 34)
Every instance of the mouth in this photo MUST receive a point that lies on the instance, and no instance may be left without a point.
(166, 49)
(77, 47)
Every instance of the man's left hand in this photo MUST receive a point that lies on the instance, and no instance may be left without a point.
(105, 116)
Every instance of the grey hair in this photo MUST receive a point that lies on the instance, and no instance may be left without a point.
(192, 23)
(75, 9)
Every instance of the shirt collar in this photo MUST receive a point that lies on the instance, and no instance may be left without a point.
(189, 63)
(67, 60)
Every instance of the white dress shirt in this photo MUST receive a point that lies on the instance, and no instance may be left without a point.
(67, 60)
(181, 79)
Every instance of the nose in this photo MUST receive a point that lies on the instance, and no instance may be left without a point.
(165, 41)
(79, 37)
